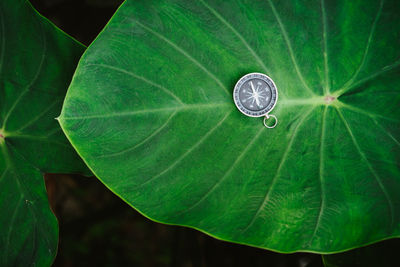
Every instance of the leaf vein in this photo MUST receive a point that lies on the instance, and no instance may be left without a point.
(364, 112)
(143, 141)
(324, 36)
(3, 174)
(38, 116)
(321, 175)
(291, 54)
(238, 159)
(144, 111)
(349, 83)
(227, 24)
(40, 139)
(183, 52)
(372, 117)
(370, 77)
(274, 179)
(36, 76)
(201, 140)
(169, 92)
(10, 227)
(371, 169)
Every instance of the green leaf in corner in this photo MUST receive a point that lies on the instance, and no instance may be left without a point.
(37, 61)
(150, 110)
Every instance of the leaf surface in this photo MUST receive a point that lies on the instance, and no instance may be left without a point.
(37, 61)
(150, 110)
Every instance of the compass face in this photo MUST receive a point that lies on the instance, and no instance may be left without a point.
(255, 94)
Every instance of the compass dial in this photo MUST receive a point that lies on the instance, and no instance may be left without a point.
(255, 94)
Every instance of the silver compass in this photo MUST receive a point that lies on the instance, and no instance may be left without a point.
(255, 95)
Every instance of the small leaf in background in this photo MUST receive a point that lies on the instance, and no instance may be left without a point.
(37, 61)
(150, 110)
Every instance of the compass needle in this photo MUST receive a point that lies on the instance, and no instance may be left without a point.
(257, 98)
(252, 87)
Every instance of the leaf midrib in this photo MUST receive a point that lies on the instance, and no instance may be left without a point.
(187, 107)
(34, 79)
(23, 191)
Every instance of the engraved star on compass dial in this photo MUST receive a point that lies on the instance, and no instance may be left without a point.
(255, 94)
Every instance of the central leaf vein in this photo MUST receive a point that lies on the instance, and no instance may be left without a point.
(144, 111)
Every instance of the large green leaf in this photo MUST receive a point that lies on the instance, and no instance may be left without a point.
(150, 110)
(37, 61)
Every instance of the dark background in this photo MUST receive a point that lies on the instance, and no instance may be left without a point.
(99, 229)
